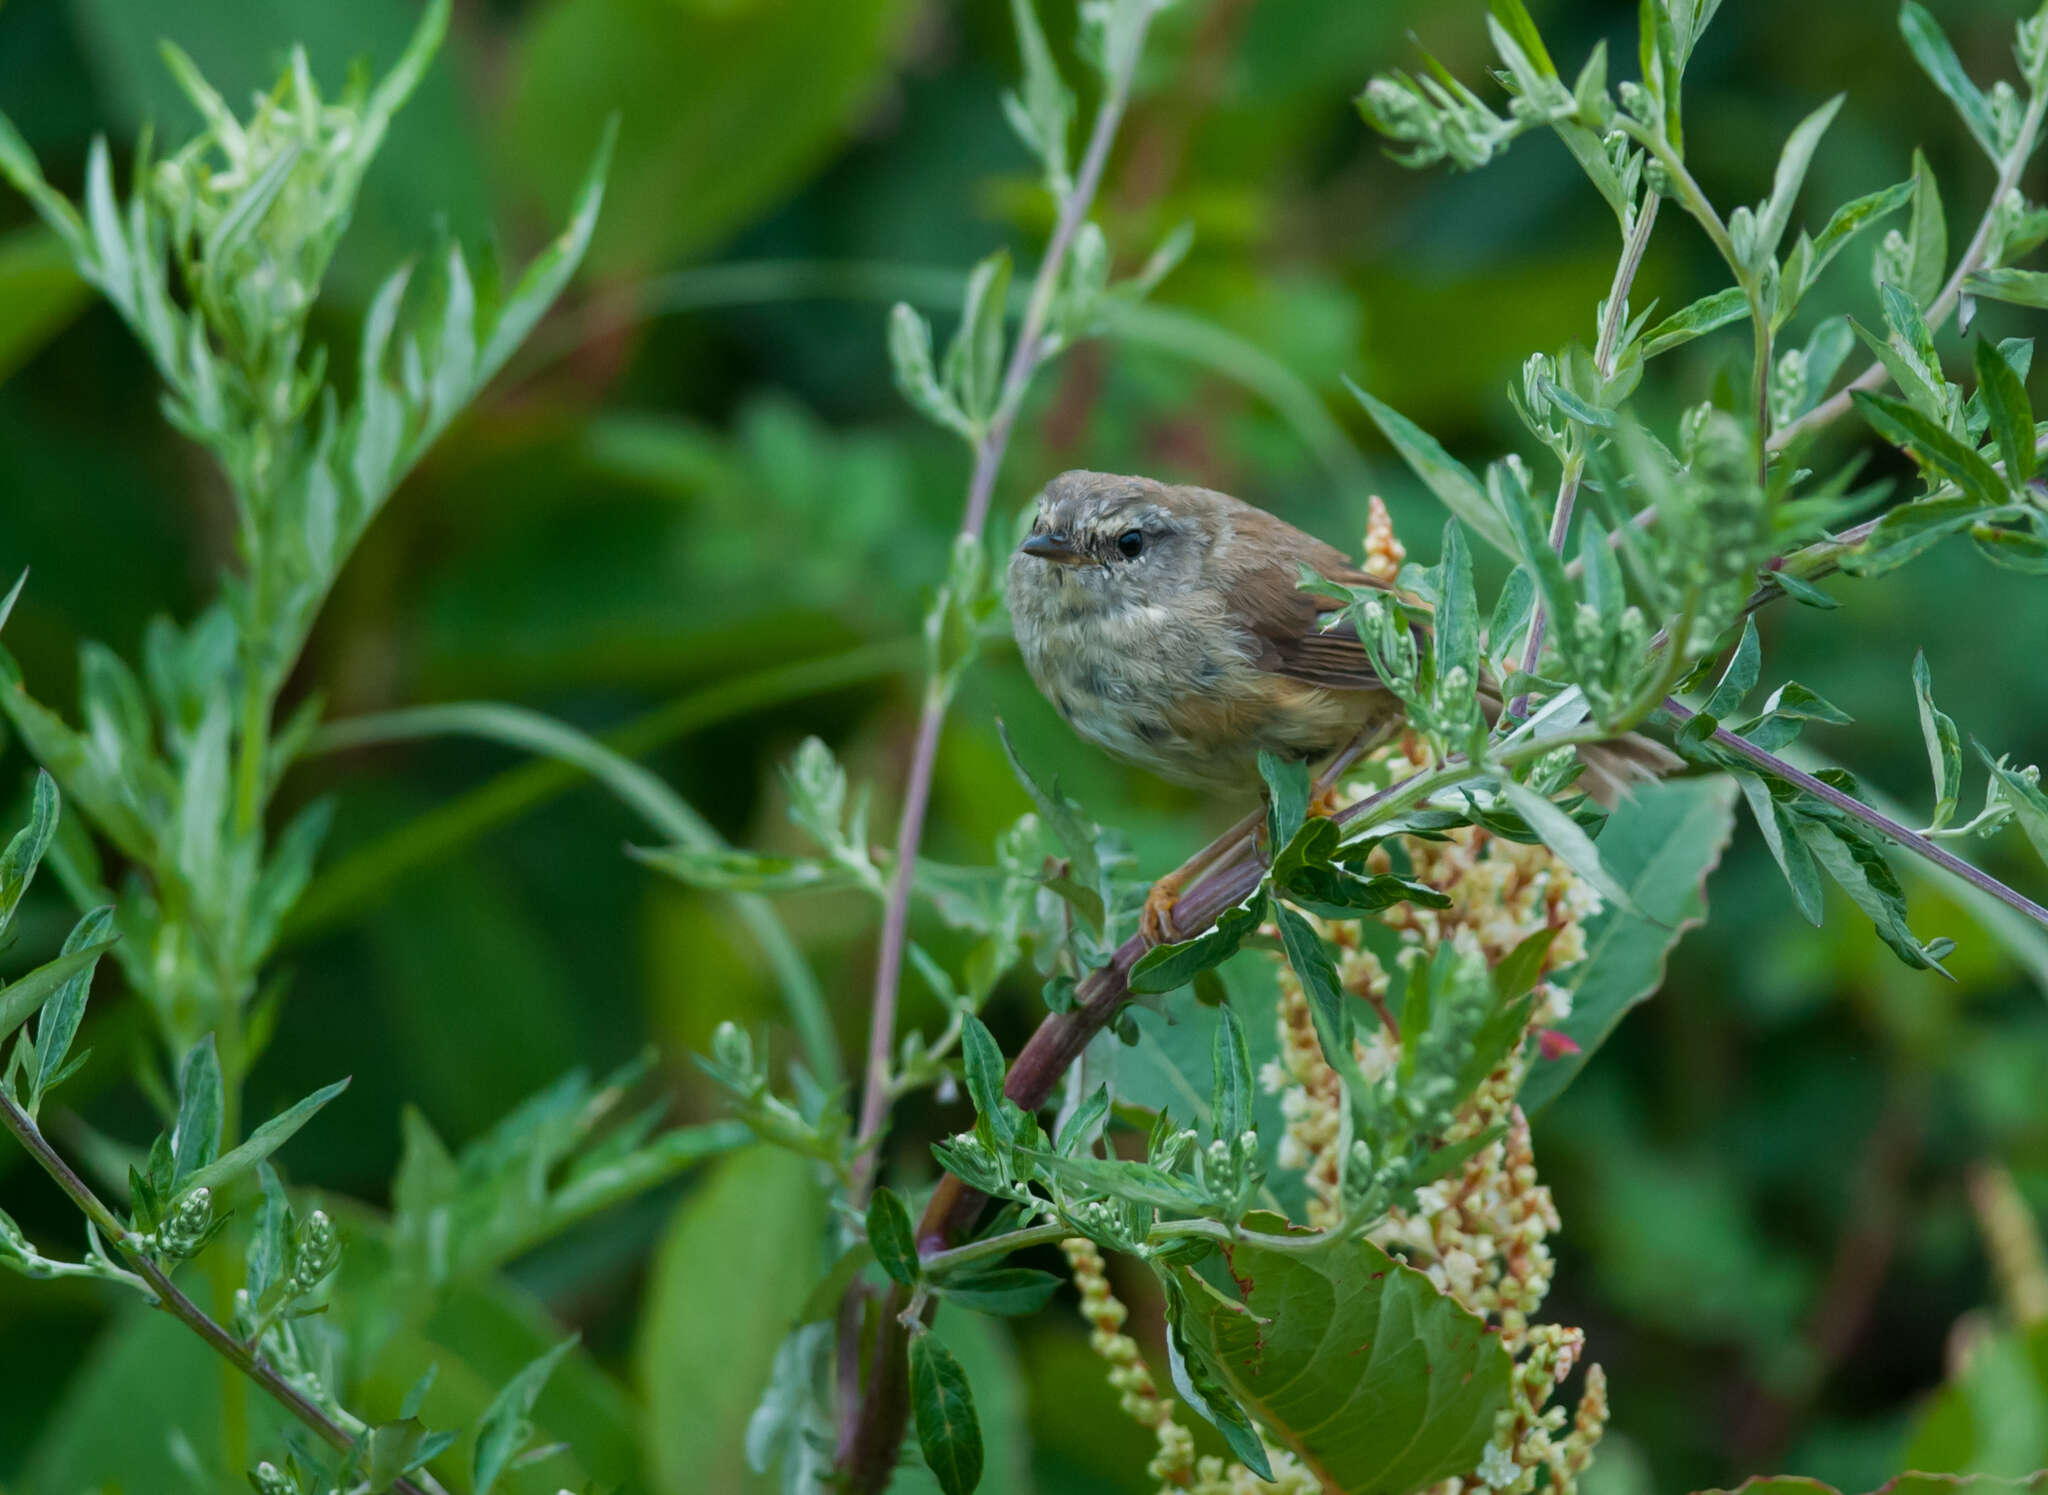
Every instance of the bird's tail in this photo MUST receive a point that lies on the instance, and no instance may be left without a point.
(1612, 767)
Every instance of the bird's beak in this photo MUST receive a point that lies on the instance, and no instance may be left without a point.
(1048, 548)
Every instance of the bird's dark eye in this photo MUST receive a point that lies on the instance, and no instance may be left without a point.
(1131, 544)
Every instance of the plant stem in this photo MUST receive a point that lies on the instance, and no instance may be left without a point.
(1874, 377)
(1891, 829)
(244, 1358)
(988, 457)
(1613, 316)
(1045, 1059)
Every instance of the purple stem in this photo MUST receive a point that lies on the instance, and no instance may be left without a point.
(1913, 841)
(988, 460)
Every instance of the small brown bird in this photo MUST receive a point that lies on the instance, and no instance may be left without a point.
(1166, 625)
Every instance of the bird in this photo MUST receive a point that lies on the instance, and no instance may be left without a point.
(1167, 625)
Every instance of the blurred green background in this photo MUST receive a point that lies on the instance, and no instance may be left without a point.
(699, 472)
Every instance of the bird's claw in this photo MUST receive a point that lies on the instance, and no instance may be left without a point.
(1156, 922)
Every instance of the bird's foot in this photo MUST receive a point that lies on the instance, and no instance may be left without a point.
(1156, 922)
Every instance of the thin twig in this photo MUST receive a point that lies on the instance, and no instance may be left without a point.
(1874, 377)
(1613, 317)
(1891, 829)
(988, 459)
(244, 1358)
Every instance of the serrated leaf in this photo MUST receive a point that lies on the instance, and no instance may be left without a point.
(1354, 1362)
(1931, 49)
(892, 1238)
(943, 1408)
(1661, 843)
(1449, 479)
(262, 1142)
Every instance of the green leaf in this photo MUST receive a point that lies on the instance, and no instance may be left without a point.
(1944, 744)
(1739, 679)
(2011, 414)
(1074, 831)
(1937, 59)
(1230, 1106)
(943, 1407)
(1802, 873)
(195, 1141)
(504, 1429)
(1793, 162)
(2020, 287)
(1352, 1361)
(1449, 479)
(1927, 238)
(1850, 219)
(1327, 1001)
(1909, 531)
(1800, 590)
(983, 1062)
(756, 1225)
(1166, 968)
(1197, 1379)
(891, 1236)
(41, 292)
(1931, 446)
(1042, 114)
(2022, 550)
(25, 851)
(1011, 1292)
(2030, 805)
(1456, 623)
(21, 1000)
(1661, 844)
(1516, 974)
(1287, 789)
(65, 1008)
(1514, 17)
(973, 372)
(262, 1142)
(1563, 836)
(689, 81)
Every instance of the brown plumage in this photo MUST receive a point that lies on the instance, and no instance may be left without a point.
(1167, 625)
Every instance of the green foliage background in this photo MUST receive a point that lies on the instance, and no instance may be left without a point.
(699, 472)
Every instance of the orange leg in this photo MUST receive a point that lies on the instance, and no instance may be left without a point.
(1156, 923)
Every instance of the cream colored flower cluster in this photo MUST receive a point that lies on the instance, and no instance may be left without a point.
(1175, 1465)
(1482, 1235)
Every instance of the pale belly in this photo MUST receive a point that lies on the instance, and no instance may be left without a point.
(1169, 700)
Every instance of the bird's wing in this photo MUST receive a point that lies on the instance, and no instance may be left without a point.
(1286, 623)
